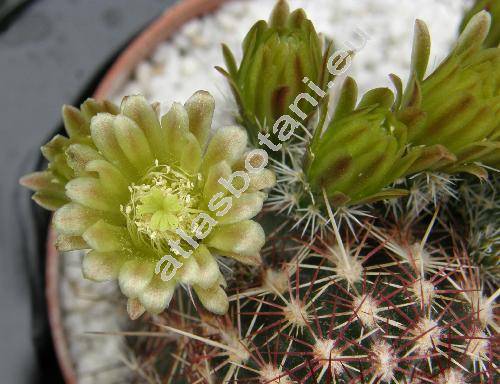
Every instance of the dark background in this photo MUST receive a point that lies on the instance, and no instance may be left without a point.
(51, 52)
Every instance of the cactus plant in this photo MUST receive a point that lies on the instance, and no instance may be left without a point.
(368, 148)
(392, 306)
(397, 280)
(480, 210)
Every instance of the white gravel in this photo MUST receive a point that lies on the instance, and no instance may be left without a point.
(87, 307)
(185, 64)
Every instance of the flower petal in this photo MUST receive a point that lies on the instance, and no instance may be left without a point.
(261, 180)
(228, 144)
(78, 155)
(66, 243)
(200, 108)
(212, 185)
(105, 237)
(133, 143)
(103, 135)
(49, 201)
(175, 124)
(100, 266)
(92, 107)
(138, 109)
(73, 219)
(38, 181)
(135, 309)
(213, 299)
(241, 241)
(75, 123)
(190, 271)
(191, 156)
(209, 269)
(244, 208)
(110, 177)
(54, 147)
(157, 295)
(135, 276)
(89, 192)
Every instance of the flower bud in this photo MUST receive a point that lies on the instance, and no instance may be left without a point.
(458, 105)
(361, 150)
(280, 58)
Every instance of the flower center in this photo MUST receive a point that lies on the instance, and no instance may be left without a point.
(158, 209)
(165, 202)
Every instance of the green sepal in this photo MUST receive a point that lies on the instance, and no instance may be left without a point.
(386, 194)
(431, 157)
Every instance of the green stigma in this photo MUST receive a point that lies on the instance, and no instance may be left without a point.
(161, 209)
(166, 200)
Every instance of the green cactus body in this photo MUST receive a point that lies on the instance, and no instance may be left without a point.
(399, 311)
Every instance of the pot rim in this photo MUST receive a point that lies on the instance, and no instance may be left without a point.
(139, 49)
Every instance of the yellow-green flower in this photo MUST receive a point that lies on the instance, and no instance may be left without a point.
(147, 201)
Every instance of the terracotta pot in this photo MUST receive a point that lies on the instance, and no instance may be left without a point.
(138, 50)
